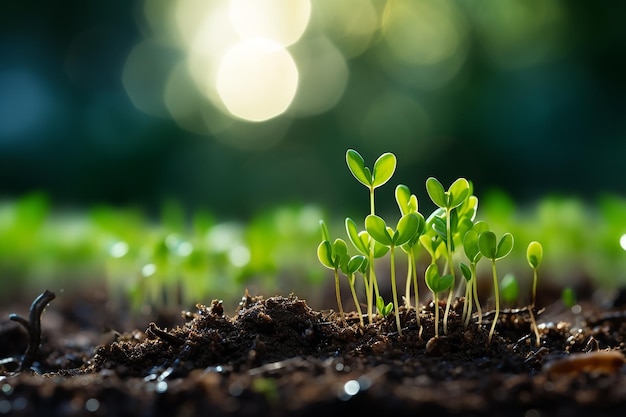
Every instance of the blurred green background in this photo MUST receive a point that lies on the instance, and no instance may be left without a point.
(240, 109)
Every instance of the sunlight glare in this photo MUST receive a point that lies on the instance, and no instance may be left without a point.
(257, 79)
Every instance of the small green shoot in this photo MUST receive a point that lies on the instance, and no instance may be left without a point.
(383, 309)
(405, 231)
(534, 255)
(456, 195)
(407, 203)
(493, 249)
(436, 284)
(354, 264)
(332, 256)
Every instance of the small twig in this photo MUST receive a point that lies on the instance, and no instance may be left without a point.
(165, 336)
(33, 327)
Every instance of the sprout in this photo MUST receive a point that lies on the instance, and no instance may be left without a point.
(437, 284)
(534, 255)
(493, 249)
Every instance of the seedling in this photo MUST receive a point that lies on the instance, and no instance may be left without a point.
(447, 200)
(493, 249)
(332, 256)
(534, 255)
(363, 242)
(472, 251)
(383, 170)
(407, 203)
(406, 230)
(354, 264)
(437, 284)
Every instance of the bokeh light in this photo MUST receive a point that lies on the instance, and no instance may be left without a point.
(257, 79)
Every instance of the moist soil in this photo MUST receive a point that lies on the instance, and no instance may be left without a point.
(277, 356)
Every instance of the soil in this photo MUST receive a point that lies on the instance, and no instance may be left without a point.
(277, 356)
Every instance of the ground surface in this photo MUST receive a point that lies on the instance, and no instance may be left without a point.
(277, 356)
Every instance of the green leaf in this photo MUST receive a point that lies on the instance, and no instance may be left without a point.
(439, 226)
(325, 234)
(356, 165)
(355, 263)
(403, 197)
(377, 229)
(436, 192)
(466, 271)
(362, 245)
(470, 246)
(324, 254)
(487, 244)
(384, 167)
(407, 229)
(504, 246)
(383, 309)
(340, 251)
(435, 282)
(380, 250)
(459, 191)
(534, 254)
(480, 227)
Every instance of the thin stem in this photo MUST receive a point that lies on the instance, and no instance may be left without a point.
(533, 324)
(351, 280)
(338, 293)
(451, 291)
(497, 295)
(415, 286)
(436, 302)
(467, 310)
(393, 288)
(534, 286)
(475, 290)
(407, 290)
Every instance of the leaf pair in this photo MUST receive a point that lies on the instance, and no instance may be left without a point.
(406, 229)
(435, 282)
(335, 256)
(493, 249)
(454, 197)
(383, 170)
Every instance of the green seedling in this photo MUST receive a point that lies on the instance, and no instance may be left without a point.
(437, 284)
(493, 249)
(383, 309)
(332, 256)
(406, 230)
(407, 203)
(456, 195)
(381, 173)
(354, 264)
(371, 249)
(472, 251)
(534, 255)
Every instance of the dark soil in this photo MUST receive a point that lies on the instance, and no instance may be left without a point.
(277, 356)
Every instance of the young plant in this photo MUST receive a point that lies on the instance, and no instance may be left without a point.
(534, 255)
(493, 249)
(354, 264)
(436, 284)
(332, 256)
(405, 231)
(407, 203)
(472, 251)
(457, 193)
(364, 244)
(381, 173)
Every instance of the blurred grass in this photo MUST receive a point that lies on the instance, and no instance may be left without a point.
(176, 259)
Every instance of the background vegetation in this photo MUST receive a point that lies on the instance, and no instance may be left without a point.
(105, 128)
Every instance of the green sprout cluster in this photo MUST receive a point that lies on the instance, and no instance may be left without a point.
(449, 233)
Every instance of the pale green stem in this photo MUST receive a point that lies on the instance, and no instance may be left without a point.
(497, 295)
(451, 291)
(475, 290)
(351, 280)
(415, 286)
(467, 303)
(534, 286)
(407, 295)
(393, 288)
(436, 302)
(338, 293)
